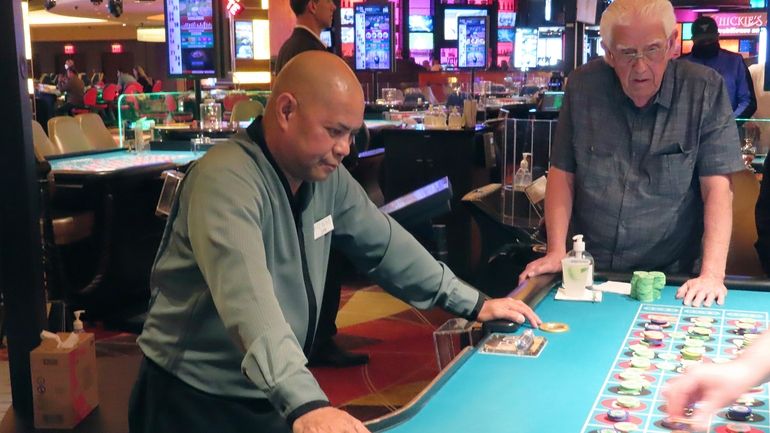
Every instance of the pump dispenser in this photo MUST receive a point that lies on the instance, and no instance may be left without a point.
(523, 175)
(77, 325)
(578, 267)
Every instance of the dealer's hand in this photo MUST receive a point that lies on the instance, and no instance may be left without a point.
(702, 290)
(328, 420)
(548, 264)
(508, 309)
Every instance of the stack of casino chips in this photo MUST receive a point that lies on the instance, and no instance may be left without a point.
(647, 286)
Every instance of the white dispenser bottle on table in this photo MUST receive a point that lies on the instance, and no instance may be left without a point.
(577, 269)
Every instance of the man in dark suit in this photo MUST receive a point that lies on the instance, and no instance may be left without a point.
(313, 16)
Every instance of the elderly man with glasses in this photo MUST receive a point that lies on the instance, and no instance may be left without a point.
(641, 164)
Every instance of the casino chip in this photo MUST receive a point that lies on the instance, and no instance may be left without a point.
(554, 327)
(617, 415)
(625, 427)
(738, 428)
(628, 402)
(739, 412)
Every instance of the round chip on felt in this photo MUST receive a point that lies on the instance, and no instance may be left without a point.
(668, 356)
(666, 366)
(739, 412)
(630, 374)
(617, 415)
(746, 400)
(700, 331)
(639, 362)
(738, 428)
(625, 427)
(703, 319)
(644, 352)
(628, 401)
(554, 327)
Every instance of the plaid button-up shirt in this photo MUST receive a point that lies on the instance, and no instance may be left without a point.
(637, 195)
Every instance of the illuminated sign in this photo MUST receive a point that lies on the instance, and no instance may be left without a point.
(234, 7)
(69, 49)
(116, 48)
(740, 24)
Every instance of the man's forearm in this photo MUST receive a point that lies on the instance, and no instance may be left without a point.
(558, 208)
(717, 195)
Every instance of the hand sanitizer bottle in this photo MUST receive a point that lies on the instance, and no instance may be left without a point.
(577, 268)
(77, 325)
(523, 175)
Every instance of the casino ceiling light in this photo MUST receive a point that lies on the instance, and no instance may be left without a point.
(151, 34)
(44, 18)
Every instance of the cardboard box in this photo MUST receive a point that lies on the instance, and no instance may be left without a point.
(64, 382)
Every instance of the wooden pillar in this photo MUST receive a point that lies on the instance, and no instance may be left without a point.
(21, 277)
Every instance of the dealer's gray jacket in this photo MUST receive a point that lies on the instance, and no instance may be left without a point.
(236, 288)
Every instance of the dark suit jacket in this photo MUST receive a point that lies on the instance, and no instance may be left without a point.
(300, 41)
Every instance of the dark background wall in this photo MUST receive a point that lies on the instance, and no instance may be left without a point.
(89, 58)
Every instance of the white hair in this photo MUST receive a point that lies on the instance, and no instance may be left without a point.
(625, 12)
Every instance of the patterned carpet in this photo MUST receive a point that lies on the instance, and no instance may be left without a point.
(398, 339)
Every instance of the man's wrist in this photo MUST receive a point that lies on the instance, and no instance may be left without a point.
(708, 273)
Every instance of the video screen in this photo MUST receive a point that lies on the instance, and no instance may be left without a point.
(347, 35)
(420, 41)
(190, 37)
(346, 16)
(373, 37)
(326, 37)
(472, 43)
(525, 48)
(448, 57)
(450, 20)
(244, 40)
(686, 31)
(420, 23)
(549, 46)
(505, 35)
(506, 19)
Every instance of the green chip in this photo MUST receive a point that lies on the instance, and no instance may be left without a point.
(628, 402)
(638, 362)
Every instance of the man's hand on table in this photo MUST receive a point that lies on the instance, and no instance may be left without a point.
(548, 264)
(508, 309)
(328, 420)
(702, 290)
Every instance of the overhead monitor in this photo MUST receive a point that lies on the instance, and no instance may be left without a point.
(347, 35)
(506, 19)
(420, 41)
(374, 36)
(420, 23)
(244, 40)
(504, 35)
(450, 20)
(686, 31)
(191, 26)
(346, 16)
(550, 48)
(472, 42)
(525, 48)
(326, 37)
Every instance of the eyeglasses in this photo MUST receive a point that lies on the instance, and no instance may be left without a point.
(654, 53)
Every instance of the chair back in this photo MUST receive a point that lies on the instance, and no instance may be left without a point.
(43, 145)
(90, 97)
(66, 134)
(133, 88)
(110, 93)
(246, 109)
(742, 258)
(157, 86)
(96, 133)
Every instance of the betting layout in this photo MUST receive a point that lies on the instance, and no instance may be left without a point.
(660, 343)
(120, 161)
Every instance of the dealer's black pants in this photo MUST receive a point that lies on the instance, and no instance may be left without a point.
(162, 403)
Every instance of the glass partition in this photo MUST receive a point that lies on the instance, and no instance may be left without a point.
(178, 111)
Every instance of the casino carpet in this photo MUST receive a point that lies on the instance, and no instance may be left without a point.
(397, 337)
